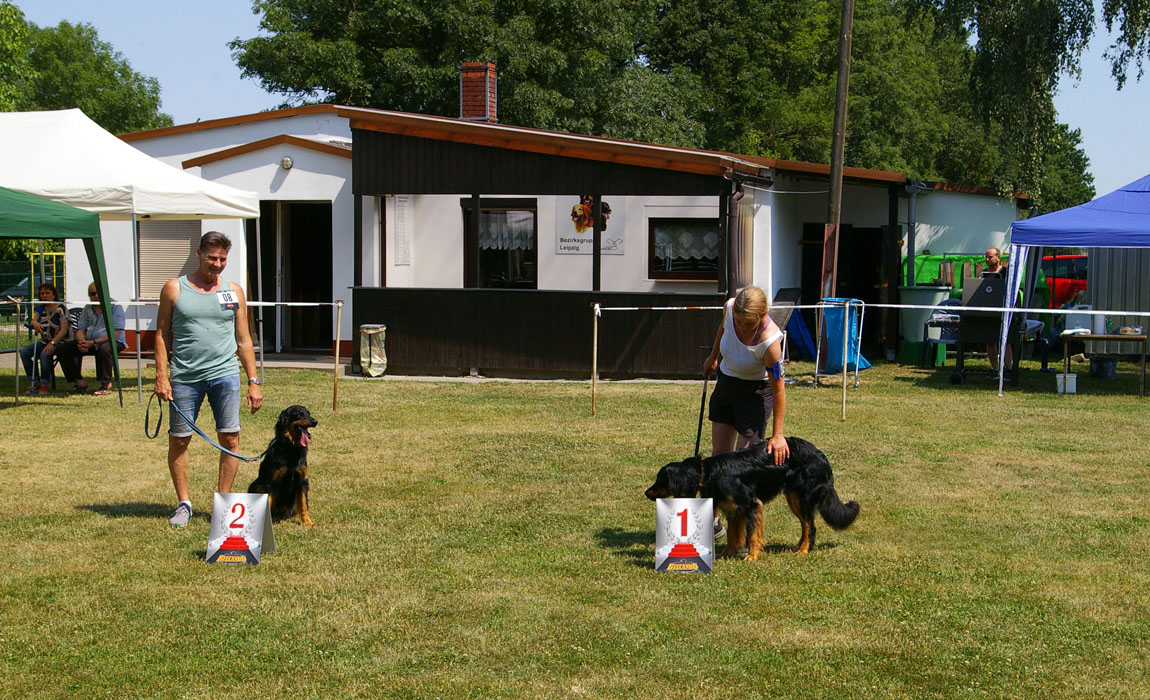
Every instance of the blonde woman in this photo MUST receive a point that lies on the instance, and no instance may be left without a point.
(750, 389)
(748, 353)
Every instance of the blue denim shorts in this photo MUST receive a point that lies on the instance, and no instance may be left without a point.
(223, 396)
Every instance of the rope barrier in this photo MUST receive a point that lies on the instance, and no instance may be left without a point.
(141, 327)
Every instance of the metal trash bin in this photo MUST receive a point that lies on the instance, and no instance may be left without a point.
(372, 349)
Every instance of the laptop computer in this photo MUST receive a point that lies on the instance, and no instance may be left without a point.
(988, 291)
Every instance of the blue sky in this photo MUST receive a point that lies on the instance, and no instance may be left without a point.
(184, 45)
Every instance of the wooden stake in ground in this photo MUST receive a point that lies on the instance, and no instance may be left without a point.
(594, 355)
(338, 325)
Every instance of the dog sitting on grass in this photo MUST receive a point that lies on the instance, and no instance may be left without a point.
(741, 482)
(283, 470)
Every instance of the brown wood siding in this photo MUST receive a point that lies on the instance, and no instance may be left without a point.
(384, 163)
(506, 332)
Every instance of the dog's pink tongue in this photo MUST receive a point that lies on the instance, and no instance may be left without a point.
(304, 438)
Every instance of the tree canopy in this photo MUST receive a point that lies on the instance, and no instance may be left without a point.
(69, 66)
(14, 66)
(957, 90)
(74, 68)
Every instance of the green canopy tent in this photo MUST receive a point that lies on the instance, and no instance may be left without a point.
(28, 216)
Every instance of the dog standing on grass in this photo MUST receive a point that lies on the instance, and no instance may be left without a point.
(283, 471)
(741, 482)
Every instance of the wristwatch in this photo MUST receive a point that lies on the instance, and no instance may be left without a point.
(253, 380)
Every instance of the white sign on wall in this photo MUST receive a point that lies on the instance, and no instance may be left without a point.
(574, 233)
(402, 231)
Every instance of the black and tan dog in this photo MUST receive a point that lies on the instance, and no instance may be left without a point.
(283, 471)
(741, 482)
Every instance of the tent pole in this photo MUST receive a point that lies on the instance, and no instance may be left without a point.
(16, 356)
(139, 344)
(260, 293)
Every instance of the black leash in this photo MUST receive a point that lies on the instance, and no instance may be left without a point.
(699, 432)
(702, 405)
(194, 427)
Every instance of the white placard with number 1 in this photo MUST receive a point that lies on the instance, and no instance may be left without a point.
(241, 529)
(684, 535)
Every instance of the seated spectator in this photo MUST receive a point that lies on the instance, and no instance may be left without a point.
(995, 268)
(50, 324)
(93, 338)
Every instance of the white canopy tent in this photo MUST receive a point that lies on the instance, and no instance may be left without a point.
(66, 157)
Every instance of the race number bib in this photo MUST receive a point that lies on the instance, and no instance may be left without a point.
(228, 300)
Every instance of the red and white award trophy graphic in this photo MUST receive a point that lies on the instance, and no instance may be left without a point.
(684, 535)
(241, 529)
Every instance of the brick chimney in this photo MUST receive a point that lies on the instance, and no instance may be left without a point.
(477, 91)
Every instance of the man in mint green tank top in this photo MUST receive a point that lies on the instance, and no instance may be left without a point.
(202, 339)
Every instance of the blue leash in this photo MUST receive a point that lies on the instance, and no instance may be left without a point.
(195, 428)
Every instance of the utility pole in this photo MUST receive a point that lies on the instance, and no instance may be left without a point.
(831, 231)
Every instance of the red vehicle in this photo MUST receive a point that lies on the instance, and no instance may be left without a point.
(1065, 275)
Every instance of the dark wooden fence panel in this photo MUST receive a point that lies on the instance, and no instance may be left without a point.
(509, 332)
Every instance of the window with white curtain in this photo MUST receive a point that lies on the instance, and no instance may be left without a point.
(508, 244)
(683, 248)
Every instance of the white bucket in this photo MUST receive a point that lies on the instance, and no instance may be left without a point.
(1066, 383)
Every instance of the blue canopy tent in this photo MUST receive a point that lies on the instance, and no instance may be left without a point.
(1120, 219)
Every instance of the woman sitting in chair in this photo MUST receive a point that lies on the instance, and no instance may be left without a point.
(50, 323)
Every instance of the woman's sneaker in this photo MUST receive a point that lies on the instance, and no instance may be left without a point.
(720, 531)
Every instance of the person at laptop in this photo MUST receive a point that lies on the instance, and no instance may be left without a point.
(995, 268)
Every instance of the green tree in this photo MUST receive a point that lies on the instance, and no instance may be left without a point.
(75, 69)
(749, 76)
(1066, 180)
(569, 65)
(14, 66)
(20, 248)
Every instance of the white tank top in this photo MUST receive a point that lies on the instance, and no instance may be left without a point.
(744, 361)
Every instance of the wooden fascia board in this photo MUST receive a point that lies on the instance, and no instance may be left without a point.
(279, 140)
(230, 121)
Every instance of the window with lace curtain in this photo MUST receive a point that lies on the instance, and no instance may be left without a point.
(683, 249)
(508, 243)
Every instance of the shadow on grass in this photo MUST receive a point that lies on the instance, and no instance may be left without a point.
(638, 546)
(129, 510)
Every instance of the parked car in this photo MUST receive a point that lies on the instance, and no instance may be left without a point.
(20, 290)
(1065, 275)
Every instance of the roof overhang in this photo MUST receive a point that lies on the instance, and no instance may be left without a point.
(279, 140)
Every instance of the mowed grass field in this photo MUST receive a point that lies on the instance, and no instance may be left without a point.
(491, 540)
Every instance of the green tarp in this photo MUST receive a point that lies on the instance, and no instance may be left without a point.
(27, 216)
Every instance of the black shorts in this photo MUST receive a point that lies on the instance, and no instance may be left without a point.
(743, 404)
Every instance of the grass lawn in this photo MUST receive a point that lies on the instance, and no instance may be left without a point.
(491, 540)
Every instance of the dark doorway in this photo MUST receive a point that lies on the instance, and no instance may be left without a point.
(296, 260)
(860, 276)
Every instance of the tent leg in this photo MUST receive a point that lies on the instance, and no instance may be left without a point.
(139, 363)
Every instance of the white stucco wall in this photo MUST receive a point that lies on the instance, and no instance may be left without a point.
(176, 148)
(435, 224)
(799, 201)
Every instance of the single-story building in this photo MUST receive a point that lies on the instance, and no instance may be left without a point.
(474, 241)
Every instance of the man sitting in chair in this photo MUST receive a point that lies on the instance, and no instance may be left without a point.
(93, 338)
